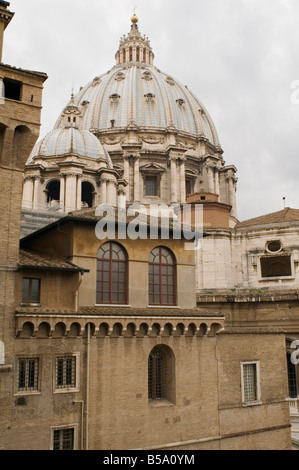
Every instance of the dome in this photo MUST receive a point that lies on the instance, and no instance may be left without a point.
(146, 97)
(137, 94)
(70, 140)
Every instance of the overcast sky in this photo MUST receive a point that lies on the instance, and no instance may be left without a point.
(239, 57)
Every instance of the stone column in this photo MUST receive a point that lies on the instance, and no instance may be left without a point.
(134, 54)
(182, 181)
(103, 191)
(173, 176)
(126, 175)
(141, 54)
(210, 180)
(79, 192)
(36, 190)
(28, 192)
(136, 179)
(127, 54)
(217, 182)
(232, 195)
(121, 197)
(62, 191)
(111, 192)
(70, 192)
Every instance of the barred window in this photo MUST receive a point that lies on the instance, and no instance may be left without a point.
(161, 374)
(250, 383)
(28, 374)
(156, 375)
(111, 274)
(63, 439)
(66, 372)
(162, 277)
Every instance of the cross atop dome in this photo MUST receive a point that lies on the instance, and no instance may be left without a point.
(134, 47)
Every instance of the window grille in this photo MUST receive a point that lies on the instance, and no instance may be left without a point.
(66, 372)
(162, 277)
(63, 439)
(28, 374)
(111, 274)
(156, 375)
(250, 382)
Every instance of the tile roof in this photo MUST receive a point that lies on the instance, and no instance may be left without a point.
(286, 215)
(34, 260)
(115, 310)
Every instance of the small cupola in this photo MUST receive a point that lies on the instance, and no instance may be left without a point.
(71, 115)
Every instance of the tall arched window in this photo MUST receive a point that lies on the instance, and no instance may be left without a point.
(162, 277)
(87, 193)
(111, 274)
(161, 374)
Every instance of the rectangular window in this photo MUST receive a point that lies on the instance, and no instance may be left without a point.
(63, 439)
(28, 374)
(276, 266)
(250, 382)
(151, 186)
(31, 290)
(66, 372)
(12, 89)
(189, 186)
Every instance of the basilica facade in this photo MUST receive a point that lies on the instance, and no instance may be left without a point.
(110, 341)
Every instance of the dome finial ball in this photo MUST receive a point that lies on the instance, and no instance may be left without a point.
(134, 19)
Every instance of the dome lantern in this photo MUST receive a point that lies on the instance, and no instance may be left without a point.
(71, 114)
(134, 48)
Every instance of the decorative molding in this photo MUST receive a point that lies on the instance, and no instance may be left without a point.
(96, 81)
(119, 76)
(180, 102)
(150, 97)
(170, 81)
(147, 76)
(112, 140)
(185, 144)
(152, 139)
(151, 168)
(114, 98)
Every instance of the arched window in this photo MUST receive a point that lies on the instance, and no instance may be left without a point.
(162, 277)
(87, 193)
(53, 191)
(111, 274)
(161, 374)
